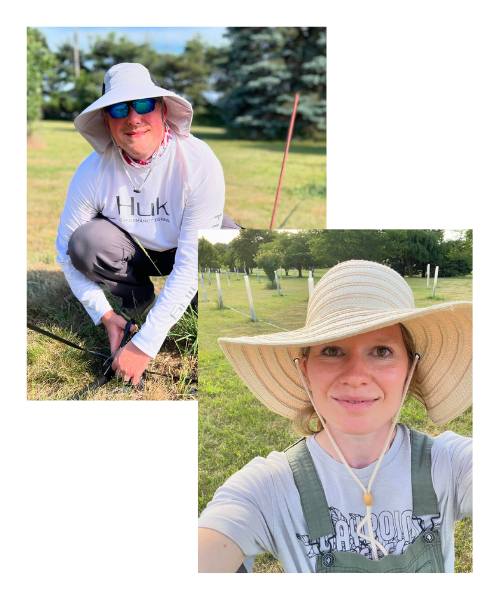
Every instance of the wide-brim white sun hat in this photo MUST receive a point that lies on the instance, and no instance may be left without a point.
(130, 81)
(352, 298)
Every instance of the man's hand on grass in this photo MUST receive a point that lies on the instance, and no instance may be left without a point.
(129, 362)
(115, 328)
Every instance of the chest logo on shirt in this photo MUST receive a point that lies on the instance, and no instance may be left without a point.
(395, 530)
(132, 208)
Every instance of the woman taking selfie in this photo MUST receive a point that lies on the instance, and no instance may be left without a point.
(361, 492)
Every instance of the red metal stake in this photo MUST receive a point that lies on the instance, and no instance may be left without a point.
(282, 174)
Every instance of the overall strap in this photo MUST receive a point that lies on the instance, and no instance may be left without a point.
(424, 497)
(312, 495)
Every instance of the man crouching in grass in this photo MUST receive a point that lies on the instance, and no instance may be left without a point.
(134, 208)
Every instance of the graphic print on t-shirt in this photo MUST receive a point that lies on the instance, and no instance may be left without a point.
(130, 210)
(394, 530)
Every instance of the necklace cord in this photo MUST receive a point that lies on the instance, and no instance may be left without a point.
(367, 495)
(157, 154)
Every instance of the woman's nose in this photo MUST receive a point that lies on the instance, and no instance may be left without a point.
(355, 372)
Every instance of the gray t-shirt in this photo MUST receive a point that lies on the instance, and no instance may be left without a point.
(259, 506)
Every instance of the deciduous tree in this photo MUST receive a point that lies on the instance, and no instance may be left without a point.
(39, 63)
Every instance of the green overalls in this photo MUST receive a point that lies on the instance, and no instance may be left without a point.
(422, 556)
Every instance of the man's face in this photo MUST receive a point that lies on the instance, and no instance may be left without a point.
(139, 135)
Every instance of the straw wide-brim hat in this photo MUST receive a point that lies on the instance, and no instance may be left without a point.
(130, 81)
(352, 298)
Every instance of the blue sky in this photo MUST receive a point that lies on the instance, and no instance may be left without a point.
(163, 39)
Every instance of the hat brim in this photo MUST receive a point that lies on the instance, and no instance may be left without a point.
(442, 334)
(91, 124)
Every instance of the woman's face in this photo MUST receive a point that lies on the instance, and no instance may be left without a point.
(357, 383)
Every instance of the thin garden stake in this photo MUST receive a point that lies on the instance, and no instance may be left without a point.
(310, 284)
(220, 303)
(253, 317)
(436, 271)
(283, 164)
(278, 283)
(203, 289)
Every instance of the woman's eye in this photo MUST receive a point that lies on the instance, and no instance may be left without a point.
(331, 351)
(382, 352)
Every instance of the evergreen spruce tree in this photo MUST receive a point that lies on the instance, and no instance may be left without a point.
(305, 57)
(254, 74)
(259, 74)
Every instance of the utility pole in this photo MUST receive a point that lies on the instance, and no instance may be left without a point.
(76, 56)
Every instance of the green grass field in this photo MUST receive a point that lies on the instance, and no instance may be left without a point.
(252, 169)
(234, 427)
(54, 152)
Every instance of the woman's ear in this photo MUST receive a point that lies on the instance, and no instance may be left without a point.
(302, 365)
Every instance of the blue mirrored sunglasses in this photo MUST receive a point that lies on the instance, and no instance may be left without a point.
(121, 109)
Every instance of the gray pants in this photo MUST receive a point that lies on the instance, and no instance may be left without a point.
(109, 256)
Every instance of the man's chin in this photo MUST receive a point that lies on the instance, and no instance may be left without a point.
(137, 152)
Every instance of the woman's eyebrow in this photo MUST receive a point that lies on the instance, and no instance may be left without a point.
(387, 340)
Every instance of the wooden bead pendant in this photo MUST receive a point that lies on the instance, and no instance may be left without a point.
(368, 499)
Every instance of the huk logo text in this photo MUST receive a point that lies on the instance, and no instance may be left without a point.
(134, 208)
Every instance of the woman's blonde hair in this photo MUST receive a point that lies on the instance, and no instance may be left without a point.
(307, 421)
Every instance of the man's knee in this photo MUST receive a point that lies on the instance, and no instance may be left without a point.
(92, 244)
(81, 250)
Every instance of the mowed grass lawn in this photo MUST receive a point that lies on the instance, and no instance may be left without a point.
(234, 427)
(55, 371)
(251, 170)
(54, 152)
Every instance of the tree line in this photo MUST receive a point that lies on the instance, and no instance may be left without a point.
(247, 85)
(406, 251)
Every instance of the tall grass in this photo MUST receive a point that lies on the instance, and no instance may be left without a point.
(184, 334)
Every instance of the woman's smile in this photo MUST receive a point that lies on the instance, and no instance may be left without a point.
(356, 403)
(357, 383)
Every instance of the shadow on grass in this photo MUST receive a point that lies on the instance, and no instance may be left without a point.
(52, 306)
(299, 147)
(280, 147)
(213, 135)
(69, 129)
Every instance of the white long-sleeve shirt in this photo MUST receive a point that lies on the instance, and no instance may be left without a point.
(183, 193)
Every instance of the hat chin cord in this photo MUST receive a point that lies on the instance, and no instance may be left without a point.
(367, 493)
